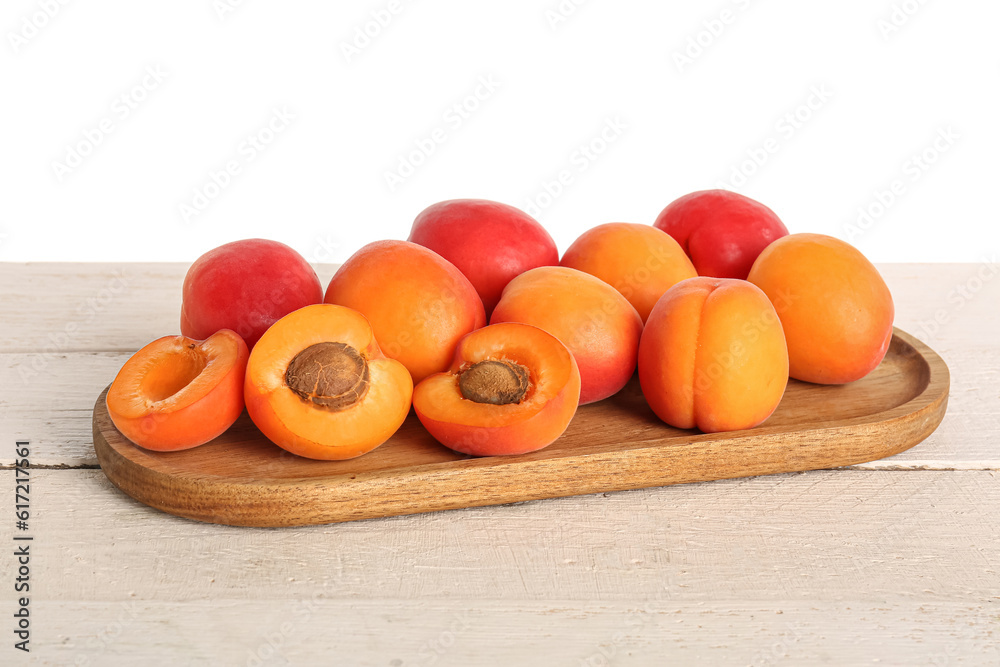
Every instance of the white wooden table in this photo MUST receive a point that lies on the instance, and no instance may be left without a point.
(894, 562)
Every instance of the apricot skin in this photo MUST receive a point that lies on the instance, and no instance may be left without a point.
(489, 242)
(246, 286)
(418, 303)
(835, 307)
(640, 261)
(713, 356)
(591, 318)
(722, 232)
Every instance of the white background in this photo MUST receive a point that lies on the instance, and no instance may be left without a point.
(894, 76)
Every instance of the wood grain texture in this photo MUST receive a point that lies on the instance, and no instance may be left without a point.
(449, 633)
(241, 479)
(822, 537)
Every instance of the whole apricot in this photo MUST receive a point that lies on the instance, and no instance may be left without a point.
(512, 388)
(418, 303)
(721, 231)
(246, 286)
(835, 307)
(713, 356)
(639, 261)
(489, 242)
(590, 317)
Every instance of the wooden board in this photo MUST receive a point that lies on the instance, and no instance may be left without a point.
(242, 479)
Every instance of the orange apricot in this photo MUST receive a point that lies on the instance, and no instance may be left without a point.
(590, 317)
(418, 303)
(639, 261)
(177, 393)
(835, 307)
(318, 385)
(511, 389)
(713, 356)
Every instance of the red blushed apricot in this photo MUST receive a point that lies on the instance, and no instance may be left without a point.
(721, 231)
(639, 261)
(836, 309)
(590, 317)
(713, 356)
(246, 286)
(177, 393)
(487, 241)
(318, 385)
(511, 389)
(418, 303)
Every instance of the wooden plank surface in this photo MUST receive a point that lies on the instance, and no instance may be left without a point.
(842, 566)
(893, 566)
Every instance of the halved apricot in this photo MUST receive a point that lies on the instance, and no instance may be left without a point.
(511, 389)
(177, 392)
(318, 385)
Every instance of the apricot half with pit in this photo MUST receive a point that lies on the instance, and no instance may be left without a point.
(318, 385)
(511, 389)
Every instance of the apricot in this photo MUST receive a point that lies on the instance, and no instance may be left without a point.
(590, 317)
(318, 385)
(418, 303)
(246, 286)
(177, 393)
(487, 241)
(721, 231)
(836, 310)
(511, 389)
(639, 261)
(713, 356)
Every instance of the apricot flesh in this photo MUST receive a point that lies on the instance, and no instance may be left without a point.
(836, 309)
(511, 389)
(318, 385)
(176, 392)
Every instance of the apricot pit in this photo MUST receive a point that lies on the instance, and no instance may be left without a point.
(495, 382)
(333, 376)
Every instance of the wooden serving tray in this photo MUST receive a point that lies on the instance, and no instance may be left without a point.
(242, 479)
